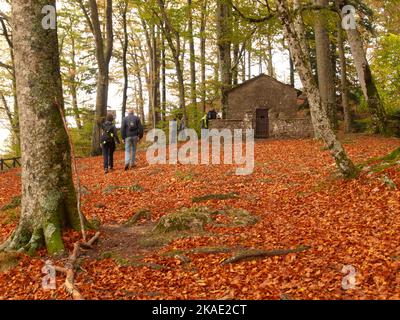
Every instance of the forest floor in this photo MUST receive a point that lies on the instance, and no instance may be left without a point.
(295, 196)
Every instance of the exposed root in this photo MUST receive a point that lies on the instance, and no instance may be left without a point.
(70, 267)
(253, 254)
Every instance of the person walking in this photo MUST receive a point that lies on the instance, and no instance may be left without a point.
(108, 139)
(132, 132)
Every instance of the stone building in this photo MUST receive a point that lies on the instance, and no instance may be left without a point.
(270, 107)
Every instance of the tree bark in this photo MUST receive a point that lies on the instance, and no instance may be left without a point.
(320, 119)
(367, 82)
(125, 45)
(155, 76)
(163, 79)
(343, 78)
(49, 201)
(298, 26)
(203, 41)
(193, 92)
(326, 81)
(224, 30)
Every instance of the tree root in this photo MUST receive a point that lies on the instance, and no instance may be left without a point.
(254, 253)
(70, 267)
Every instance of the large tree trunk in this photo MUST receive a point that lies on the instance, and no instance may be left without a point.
(125, 45)
(320, 119)
(155, 77)
(49, 201)
(139, 66)
(224, 30)
(193, 92)
(203, 40)
(163, 79)
(147, 62)
(326, 81)
(343, 78)
(299, 29)
(367, 82)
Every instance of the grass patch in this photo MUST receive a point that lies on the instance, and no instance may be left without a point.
(141, 214)
(187, 222)
(193, 219)
(10, 216)
(14, 203)
(218, 196)
(382, 163)
(185, 176)
(135, 188)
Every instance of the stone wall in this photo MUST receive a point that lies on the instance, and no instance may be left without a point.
(291, 128)
(220, 124)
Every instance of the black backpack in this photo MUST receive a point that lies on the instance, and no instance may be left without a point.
(108, 133)
(132, 125)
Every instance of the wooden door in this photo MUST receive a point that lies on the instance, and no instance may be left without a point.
(262, 125)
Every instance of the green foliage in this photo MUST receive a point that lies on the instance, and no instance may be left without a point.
(386, 67)
(82, 138)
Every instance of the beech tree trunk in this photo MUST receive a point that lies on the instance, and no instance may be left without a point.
(320, 119)
(367, 82)
(193, 92)
(155, 76)
(224, 30)
(299, 30)
(163, 79)
(343, 78)
(203, 53)
(49, 202)
(125, 45)
(326, 81)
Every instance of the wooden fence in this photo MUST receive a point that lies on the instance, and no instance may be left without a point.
(9, 163)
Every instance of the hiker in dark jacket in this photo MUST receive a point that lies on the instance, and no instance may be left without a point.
(108, 139)
(132, 132)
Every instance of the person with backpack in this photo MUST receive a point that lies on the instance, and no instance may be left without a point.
(132, 132)
(108, 139)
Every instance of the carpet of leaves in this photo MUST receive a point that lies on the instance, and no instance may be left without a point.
(299, 202)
